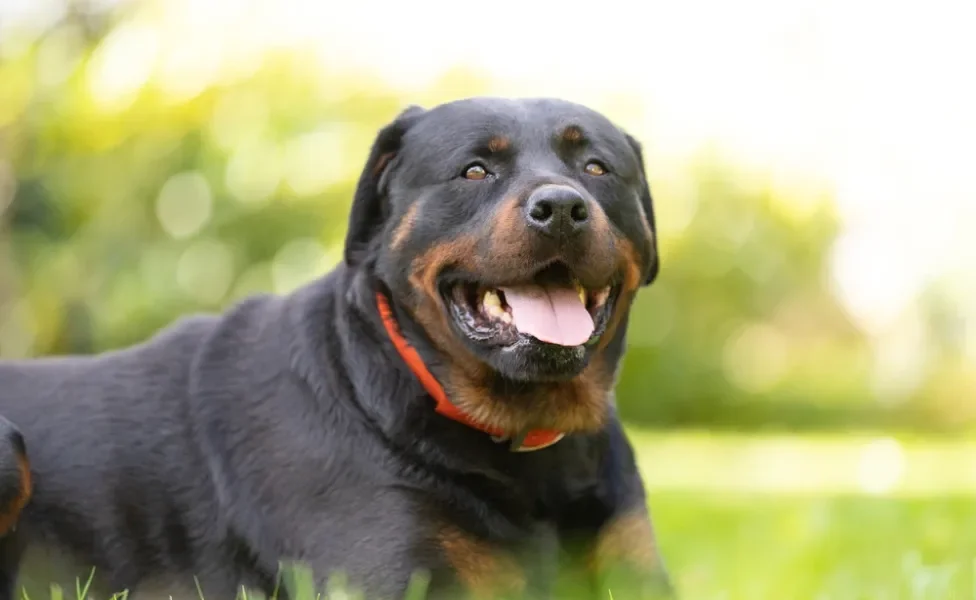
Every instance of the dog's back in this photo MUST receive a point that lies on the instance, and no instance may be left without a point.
(86, 421)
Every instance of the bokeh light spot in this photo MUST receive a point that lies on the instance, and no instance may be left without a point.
(17, 330)
(187, 68)
(184, 204)
(256, 279)
(254, 172)
(900, 359)
(756, 357)
(299, 261)
(122, 64)
(314, 161)
(238, 116)
(205, 271)
(58, 55)
(881, 466)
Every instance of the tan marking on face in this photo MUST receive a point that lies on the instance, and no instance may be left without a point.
(404, 227)
(581, 404)
(432, 313)
(599, 221)
(424, 269)
(509, 246)
(578, 405)
(631, 264)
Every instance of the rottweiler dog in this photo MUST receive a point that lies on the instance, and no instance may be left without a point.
(441, 403)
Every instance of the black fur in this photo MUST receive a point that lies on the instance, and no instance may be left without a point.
(288, 428)
(647, 205)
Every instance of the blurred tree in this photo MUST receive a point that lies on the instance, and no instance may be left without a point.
(124, 205)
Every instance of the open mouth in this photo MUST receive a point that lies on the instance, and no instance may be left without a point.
(553, 308)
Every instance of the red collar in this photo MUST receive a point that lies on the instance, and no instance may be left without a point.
(535, 439)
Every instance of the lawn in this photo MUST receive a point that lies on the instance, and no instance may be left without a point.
(853, 517)
(818, 518)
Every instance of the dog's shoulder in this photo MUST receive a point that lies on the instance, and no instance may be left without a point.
(270, 404)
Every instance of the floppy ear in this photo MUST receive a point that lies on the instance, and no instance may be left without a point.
(648, 205)
(369, 209)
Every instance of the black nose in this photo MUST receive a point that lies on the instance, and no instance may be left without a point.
(557, 210)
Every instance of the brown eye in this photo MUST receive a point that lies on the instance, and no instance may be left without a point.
(594, 168)
(476, 172)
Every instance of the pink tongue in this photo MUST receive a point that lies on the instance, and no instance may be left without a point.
(551, 314)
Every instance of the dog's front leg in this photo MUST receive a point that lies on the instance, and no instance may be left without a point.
(623, 556)
(607, 533)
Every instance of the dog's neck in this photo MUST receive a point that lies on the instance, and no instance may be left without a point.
(520, 441)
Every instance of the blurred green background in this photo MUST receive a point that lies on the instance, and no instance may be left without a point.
(801, 379)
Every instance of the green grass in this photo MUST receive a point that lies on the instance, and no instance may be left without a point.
(784, 517)
(747, 547)
(818, 518)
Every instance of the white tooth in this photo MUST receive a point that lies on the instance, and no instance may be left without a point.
(491, 300)
(506, 317)
(496, 311)
(581, 291)
(602, 296)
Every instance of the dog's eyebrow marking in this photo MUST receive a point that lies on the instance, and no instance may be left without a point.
(573, 134)
(498, 143)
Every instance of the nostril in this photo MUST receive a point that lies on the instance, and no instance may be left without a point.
(541, 211)
(557, 210)
(579, 213)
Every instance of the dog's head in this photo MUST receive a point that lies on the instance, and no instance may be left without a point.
(515, 233)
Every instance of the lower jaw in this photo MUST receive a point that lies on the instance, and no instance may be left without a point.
(530, 361)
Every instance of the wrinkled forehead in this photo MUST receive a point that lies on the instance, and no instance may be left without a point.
(511, 126)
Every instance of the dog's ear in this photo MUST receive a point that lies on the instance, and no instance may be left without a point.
(369, 209)
(647, 204)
